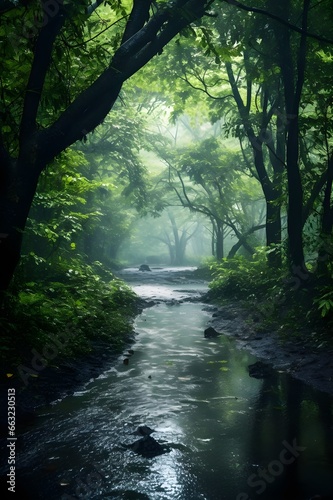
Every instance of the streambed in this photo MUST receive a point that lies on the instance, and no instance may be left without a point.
(230, 436)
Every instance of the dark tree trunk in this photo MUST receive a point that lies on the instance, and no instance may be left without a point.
(325, 253)
(293, 80)
(327, 218)
(269, 188)
(213, 238)
(295, 202)
(17, 192)
(240, 243)
(220, 242)
(172, 254)
(273, 233)
(242, 240)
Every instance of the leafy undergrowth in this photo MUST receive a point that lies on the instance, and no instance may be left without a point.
(242, 279)
(276, 300)
(83, 304)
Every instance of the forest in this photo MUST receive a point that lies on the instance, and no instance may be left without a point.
(193, 135)
(225, 134)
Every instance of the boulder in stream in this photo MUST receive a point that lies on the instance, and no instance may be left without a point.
(143, 430)
(210, 333)
(144, 267)
(148, 447)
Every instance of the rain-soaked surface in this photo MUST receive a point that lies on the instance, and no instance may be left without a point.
(229, 436)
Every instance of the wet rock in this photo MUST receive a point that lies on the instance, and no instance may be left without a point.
(129, 353)
(210, 332)
(210, 309)
(147, 447)
(225, 314)
(144, 267)
(173, 302)
(143, 430)
(259, 370)
(150, 303)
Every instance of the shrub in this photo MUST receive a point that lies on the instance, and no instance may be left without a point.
(241, 278)
(90, 306)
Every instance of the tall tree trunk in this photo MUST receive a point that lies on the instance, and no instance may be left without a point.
(177, 250)
(272, 195)
(220, 242)
(293, 81)
(295, 201)
(273, 233)
(16, 194)
(325, 253)
(172, 254)
(214, 230)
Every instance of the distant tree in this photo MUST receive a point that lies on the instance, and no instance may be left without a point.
(176, 238)
(209, 180)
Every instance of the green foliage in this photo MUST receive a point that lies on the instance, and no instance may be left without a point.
(81, 52)
(323, 299)
(241, 279)
(325, 303)
(89, 302)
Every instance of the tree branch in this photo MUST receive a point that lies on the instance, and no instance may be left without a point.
(91, 8)
(314, 195)
(39, 68)
(256, 142)
(93, 104)
(7, 5)
(280, 20)
(137, 18)
(205, 89)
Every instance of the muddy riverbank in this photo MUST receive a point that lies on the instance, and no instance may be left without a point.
(310, 364)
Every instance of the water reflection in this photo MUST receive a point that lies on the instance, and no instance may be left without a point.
(226, 430)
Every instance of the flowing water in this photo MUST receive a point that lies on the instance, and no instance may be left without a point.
(229, 436)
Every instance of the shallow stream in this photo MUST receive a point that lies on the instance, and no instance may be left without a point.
(229, 436)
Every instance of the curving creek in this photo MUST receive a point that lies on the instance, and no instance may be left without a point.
(227, 436)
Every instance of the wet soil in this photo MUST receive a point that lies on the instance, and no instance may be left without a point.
(298, 356)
